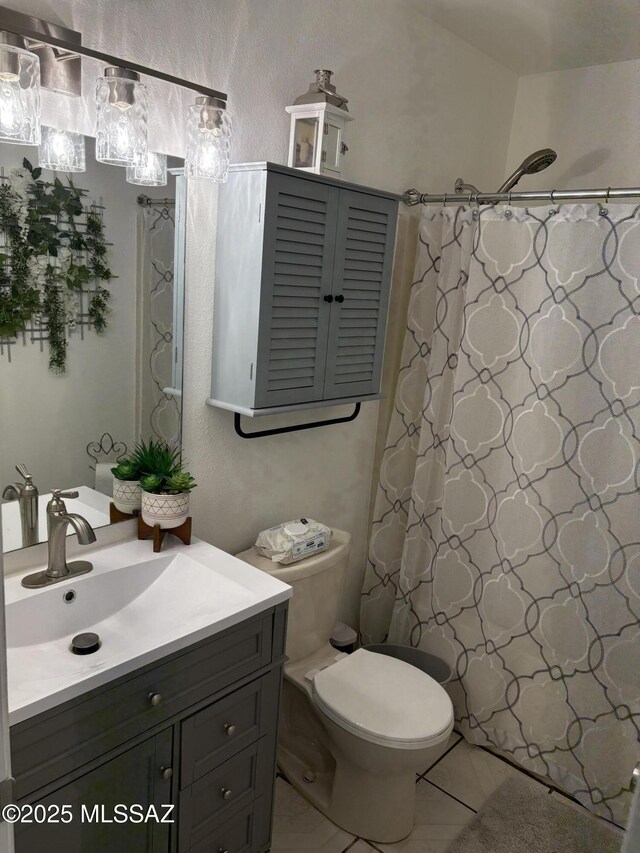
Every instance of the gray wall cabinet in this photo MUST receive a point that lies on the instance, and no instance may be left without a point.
(303, 271)
(207, 746)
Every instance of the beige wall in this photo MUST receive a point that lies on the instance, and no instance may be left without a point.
(427, 108)
(590, 116)
(414, 91)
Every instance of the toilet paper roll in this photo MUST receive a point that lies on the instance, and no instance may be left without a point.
(104, 478)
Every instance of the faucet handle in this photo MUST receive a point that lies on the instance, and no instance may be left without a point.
(21, 468)
(56, 504)
(58, 493)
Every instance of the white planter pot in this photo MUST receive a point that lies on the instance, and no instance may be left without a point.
(166, 510)
(127, 495)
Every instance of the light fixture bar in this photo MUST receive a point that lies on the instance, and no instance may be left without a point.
(40, 31)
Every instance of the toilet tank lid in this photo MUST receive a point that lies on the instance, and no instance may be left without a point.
(338, 550)
(383, 699)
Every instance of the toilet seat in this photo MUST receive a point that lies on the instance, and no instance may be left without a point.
(384, 700)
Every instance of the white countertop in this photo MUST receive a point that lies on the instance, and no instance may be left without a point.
(144, 606)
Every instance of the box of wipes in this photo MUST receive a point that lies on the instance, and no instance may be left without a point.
(293, 540)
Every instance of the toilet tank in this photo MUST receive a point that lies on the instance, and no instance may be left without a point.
(316, 584)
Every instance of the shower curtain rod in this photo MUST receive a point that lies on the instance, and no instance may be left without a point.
(164, 202)
(413, 196)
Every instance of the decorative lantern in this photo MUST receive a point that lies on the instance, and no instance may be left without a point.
(318, 122)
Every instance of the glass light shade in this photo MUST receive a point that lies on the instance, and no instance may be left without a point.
(61, 151)
(121, 124)
(19, 96)
(150, 172)
(208, 140)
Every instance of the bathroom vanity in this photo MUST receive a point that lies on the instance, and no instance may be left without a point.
(187, 720)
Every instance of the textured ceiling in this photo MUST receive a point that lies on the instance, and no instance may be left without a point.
(532, 36)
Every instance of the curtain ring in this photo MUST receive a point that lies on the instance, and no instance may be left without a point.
(444, 200)
(553, 201)
(606, 198)
(510, 191)
(475, 198)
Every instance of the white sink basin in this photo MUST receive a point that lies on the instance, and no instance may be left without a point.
(143, 606)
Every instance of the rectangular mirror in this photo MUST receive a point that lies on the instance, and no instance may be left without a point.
(91, 314)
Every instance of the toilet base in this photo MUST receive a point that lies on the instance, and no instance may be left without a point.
(366, 789)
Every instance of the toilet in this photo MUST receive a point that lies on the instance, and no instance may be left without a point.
(354, 729)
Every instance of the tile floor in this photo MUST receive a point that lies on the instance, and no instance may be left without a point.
(448, 795)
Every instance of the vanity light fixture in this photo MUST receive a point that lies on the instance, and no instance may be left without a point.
(36, 53)
(61, 151)
(208, 139)
(150, 172)
(121, 124)
(19, 92)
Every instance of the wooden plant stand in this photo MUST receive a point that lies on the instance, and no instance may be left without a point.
(183, 532)
(116, 515)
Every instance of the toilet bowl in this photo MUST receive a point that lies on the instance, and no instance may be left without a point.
(354, 729)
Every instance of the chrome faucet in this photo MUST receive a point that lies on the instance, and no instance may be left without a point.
(58, 520)
(27, 496)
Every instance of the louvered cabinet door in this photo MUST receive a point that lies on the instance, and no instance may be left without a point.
(362, 278)
(298, 262)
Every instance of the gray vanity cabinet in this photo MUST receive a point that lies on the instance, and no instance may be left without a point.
(303, 270)
(133, 777)
(196, 730)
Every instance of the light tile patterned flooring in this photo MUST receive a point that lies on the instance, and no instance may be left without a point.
(448, 795)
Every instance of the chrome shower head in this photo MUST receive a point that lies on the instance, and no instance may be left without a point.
(535, 162)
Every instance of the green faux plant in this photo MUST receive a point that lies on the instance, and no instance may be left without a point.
(50, 259)
(152, 483)
(156, 457)
(178, 483)
(126, 469)
(161, 470)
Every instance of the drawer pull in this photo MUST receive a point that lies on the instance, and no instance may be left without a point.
(227, 793)
(230, 729)
(166, 772)
(155, 699)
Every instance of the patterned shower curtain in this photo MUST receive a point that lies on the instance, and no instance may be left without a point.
(158, 413)
(506, 531)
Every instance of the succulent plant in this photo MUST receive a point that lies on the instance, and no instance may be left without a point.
(152, 483)
(156, 457)
(126, 469)
(180, 482)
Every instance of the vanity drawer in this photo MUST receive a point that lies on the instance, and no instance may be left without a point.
(224, 793)
(58, 742)
(214, 734)
(234, 836)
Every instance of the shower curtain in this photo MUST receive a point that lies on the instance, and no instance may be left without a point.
(158, 414)
(506, 527)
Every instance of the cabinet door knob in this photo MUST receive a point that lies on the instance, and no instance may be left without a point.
(155, 699)
(339, 298)
(230, 729)
(227, 793)
(166, 772)
(328, 297)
